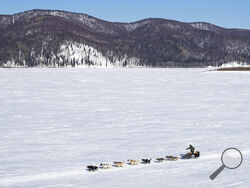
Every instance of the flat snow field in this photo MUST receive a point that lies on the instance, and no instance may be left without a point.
(54, 122)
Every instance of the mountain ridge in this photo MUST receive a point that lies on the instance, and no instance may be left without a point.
(35, 38)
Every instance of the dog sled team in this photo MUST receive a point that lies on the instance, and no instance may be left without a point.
(189, 155)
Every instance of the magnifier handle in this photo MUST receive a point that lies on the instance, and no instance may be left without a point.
(213, 176)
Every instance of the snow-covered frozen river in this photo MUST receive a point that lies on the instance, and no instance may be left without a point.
(54, 122)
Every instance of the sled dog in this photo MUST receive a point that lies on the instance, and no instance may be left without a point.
(146, 161)
(118, 164)
(92, 168)
(172, 158)
(133, 162)
(160, 159)
(105, 166)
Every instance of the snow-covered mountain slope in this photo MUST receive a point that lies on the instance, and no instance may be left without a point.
(206, 26)
(83, 55)
(72, 54)
(55, 122)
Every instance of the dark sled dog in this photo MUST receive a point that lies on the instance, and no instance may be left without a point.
(146, 161)
(160, 160)
(92, 168)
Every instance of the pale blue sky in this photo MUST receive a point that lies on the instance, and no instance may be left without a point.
(225, 13)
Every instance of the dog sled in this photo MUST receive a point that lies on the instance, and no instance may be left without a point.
(191, 155)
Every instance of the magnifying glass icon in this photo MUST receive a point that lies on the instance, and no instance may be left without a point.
(231, 158)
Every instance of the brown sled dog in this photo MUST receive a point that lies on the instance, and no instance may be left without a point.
(133, 162)
(172, 158)
(118, 164)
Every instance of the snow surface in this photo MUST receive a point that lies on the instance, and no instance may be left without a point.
(235, 64)
(54, 122)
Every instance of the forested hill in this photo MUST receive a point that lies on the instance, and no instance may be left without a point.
(58, 38)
